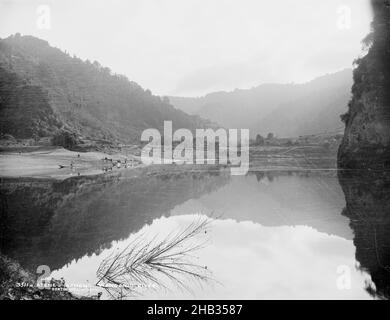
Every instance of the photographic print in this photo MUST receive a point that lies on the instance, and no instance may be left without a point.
(220, 151)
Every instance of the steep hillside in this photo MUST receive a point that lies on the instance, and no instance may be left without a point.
(366, 141)
(285, 109)
(239, 108)
(43, 91)
(316, 111)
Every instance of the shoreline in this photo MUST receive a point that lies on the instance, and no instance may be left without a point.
(16, 283)
(59, 163)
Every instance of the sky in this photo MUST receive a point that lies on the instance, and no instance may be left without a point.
(193, 47)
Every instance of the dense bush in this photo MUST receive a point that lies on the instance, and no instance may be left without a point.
(64, 139)
(42, 87)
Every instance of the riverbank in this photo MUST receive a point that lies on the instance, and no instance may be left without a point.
(17, 283)
(59, 163)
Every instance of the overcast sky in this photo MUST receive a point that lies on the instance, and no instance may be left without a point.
(192, 47)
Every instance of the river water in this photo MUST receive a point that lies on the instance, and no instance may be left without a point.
(269, 235)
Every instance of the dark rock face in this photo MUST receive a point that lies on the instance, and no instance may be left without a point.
(366, 145)
(366, 142)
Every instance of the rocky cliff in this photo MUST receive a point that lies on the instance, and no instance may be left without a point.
(366, 142)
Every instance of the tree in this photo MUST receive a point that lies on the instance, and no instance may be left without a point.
(270, 136)
(165, 100)
(259, 140)
(64, 139)
(97, 65)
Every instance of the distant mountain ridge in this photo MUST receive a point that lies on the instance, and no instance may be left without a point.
(284, 109)
(44, 91)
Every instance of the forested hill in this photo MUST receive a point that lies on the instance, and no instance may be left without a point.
(287, 110)
(44, 91)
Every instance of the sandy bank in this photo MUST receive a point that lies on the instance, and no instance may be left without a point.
(57, 163)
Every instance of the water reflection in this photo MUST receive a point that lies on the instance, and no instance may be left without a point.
(52, 223)
(279, 235)
(367, 197)
(313, 199)
(250, 261)
(156, 262)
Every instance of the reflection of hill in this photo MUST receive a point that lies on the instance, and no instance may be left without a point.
(52, 223)
(368, 207)
(278, 198)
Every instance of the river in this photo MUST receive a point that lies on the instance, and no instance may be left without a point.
(270, 235)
